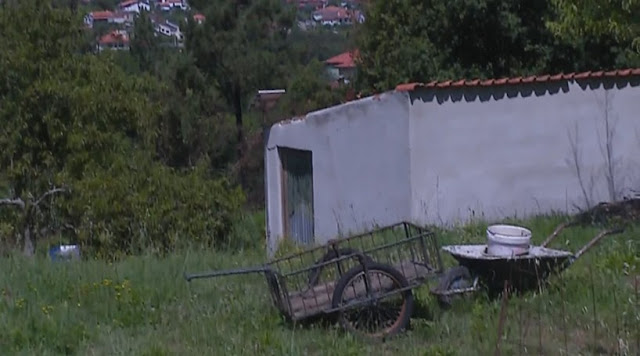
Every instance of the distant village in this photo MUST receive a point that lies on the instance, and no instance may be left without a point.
(114, 27)
(165, 15)
(119, 22)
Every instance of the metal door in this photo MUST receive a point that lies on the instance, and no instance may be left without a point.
(297, 194)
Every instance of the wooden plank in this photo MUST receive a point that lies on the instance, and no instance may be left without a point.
(316, 300)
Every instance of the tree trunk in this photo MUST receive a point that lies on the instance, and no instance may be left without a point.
(237, 105)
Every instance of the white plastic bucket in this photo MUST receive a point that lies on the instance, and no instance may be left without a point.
(508, 240)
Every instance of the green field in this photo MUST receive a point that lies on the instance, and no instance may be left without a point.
(143, 306)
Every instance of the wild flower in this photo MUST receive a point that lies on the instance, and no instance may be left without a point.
(46, 309)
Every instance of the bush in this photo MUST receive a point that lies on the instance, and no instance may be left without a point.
(137, 205)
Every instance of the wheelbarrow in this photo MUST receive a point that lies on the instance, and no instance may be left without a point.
(478, 269)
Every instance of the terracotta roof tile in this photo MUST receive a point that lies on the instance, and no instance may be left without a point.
(516, 80)
(102, 15)
(344, 60)
(582, 75)
(408, 86)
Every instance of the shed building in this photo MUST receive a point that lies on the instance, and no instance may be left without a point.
(445, 152)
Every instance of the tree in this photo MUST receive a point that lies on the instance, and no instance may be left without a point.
(424, 40)
(193, 123)
(317, 44)
(237, 48)
(577, 19)
(308, 90)
(144, 45)
(61, 109)
(393, 45)
(617, 21)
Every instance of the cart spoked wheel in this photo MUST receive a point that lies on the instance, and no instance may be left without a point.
(457, 277)
(314, 273)
(370, 304)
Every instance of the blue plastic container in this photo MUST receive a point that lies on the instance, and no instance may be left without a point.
(64, 252)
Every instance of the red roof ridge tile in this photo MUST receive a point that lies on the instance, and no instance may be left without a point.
(522, 79)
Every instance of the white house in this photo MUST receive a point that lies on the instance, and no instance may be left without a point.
(446, 152)
(334, 16)
(170, 29)
(168, 5)
(107, 17)
(134, 6)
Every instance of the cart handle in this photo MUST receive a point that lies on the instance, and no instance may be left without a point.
(596, 239)
(227, 272)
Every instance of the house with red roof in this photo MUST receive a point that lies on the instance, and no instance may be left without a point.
(199, 18)
(98, 17)
(342, 66)
(114, 40)
(447, 152)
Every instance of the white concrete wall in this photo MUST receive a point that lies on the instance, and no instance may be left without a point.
(495, 152)
(360, 166)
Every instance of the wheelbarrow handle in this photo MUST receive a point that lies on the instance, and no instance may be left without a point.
(557, 231)
(227, 272)
(596, 239)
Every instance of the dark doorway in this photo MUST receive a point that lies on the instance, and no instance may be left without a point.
(297, 194)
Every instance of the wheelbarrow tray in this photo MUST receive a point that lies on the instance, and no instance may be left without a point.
(523, 272)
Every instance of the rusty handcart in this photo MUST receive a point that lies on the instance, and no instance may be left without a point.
(365, 280)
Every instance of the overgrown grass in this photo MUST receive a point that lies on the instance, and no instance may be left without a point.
(143, 306)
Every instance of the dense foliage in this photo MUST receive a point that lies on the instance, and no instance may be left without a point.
(76, 121)
(423, 40)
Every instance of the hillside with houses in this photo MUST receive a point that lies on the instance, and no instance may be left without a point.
(116, 24)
